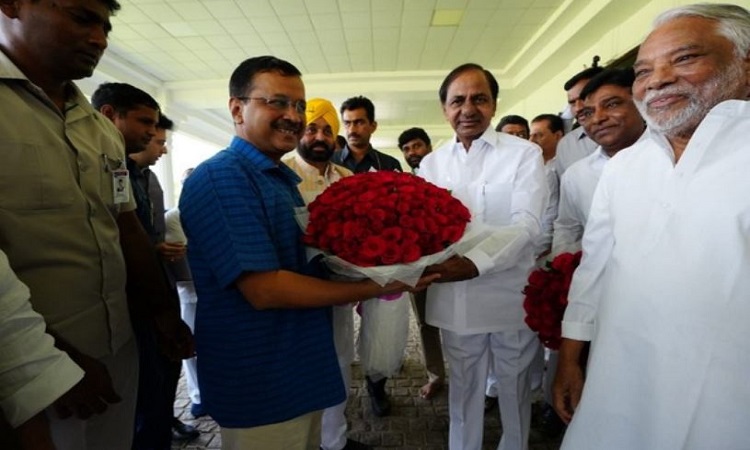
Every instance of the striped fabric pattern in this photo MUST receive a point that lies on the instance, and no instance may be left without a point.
(255, 367)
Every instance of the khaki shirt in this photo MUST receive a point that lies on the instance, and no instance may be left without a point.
(58, 212)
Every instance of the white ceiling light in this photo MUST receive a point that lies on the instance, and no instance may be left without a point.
(446, 17)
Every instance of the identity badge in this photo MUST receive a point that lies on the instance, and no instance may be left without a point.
(121, 183)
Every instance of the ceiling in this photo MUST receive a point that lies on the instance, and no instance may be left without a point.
(396, 52)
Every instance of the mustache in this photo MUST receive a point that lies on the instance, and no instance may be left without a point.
(321, 144)
(317, 143)
(288, 124)
(671, 90)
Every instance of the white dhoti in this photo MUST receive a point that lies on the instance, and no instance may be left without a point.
(383, 335)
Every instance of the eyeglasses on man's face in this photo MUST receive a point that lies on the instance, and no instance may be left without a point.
(279, 103)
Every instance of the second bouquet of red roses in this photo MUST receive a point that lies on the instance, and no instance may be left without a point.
(547, 297)
(395, 223)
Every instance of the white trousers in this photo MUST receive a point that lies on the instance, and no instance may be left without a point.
(333, 426)
(188, 306)
(112, 430)
(469, 356)
(539, 375)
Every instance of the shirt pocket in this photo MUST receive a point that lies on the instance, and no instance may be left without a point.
(34, 179)
(497, 200)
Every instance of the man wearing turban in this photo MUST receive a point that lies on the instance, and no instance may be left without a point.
(312, 163)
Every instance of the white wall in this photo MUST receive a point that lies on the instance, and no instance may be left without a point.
(550, 96)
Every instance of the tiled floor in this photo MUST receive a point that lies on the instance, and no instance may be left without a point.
(414, 424)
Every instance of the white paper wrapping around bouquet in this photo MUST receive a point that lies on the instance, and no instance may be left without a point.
(383, 333)
(491, 240)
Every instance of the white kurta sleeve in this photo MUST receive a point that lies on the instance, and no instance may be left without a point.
(33, 373)
(587, 287)
(505, 244)
(568, 227)
(544, 241)
(173, 227)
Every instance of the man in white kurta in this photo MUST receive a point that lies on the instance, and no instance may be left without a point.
(611, 116)
(577, 187)
(663, 288)
(477, 303)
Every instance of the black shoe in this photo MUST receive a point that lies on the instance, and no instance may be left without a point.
(381, 406)
(489, 403)
(183, 432)
(552, 425)
(355, 445)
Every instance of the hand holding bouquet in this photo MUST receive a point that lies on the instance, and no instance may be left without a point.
(386, 226)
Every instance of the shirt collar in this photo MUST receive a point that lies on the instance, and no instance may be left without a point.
(490, 136)
(600, 153)
(346, 152)
(9, 71)
(259, 160)
(309, 168)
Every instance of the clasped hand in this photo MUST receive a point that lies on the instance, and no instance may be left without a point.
(171, 251)
(174, 336)
(89, 396)
(455, 268)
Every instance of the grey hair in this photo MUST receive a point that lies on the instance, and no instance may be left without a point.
(734, 21)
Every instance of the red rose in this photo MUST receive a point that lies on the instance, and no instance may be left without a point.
(450, 234)
(406, 222)
(392, 234)
(562, 261)
(392, 253)
(373, 247)
(376, 214)
(384, 218)
(409, 236)
(546, 297)
(410, 252)
(334, 229)
(431, 226)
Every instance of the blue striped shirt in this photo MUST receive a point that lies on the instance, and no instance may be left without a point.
(254, 367)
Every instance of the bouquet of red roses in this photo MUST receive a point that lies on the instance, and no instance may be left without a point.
(547, 297)
(385, 225)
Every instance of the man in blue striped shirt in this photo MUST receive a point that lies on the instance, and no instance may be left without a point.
(267, 365)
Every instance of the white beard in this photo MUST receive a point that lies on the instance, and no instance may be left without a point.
(727, 84)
